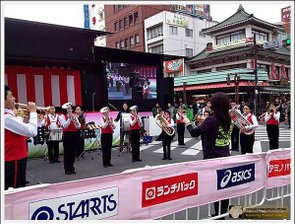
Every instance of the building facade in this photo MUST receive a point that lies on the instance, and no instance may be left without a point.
(246, 46)
(175, 34)
(126, 22)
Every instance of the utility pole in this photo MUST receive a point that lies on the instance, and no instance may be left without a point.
(184, 93)
(255, 75)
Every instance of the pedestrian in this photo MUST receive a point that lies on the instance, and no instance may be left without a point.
(155, 109)
(124, 129)
(235, 135)
(180, 125)
(216, 131)
(82, 119)
(247, 134)
(166, 139)
(70, 125)
(107, 130)
(171, 110)
(272, 120)
(16, 134)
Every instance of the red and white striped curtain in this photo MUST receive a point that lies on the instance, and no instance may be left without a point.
(45, 86)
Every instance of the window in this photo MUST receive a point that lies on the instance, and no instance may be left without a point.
(223, 39)
(231, 37)
(116, 26)
(173, 30)
(189, 33)
(125, 22)
(137, 39)
(260, 36)
(189, 52)
(117, 44)
(126, 43)
(115, 8)
(136, 17)
(130, 20)
(121, 24)
(156, 49)
(122, 44)
(155, 31)
(131, 41)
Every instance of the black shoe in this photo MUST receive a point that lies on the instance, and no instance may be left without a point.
(110, 164)
(163, 158)
(139, 160)
(73, 172)
(68, 172)
(169, 158)
(133, 160)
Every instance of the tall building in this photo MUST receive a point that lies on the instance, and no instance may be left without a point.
(94, 19)
(126, 22)
(176, 34)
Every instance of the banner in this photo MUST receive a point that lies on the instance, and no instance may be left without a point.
(148, 193)
(174, 65)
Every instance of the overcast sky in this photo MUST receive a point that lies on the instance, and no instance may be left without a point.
(71, 13)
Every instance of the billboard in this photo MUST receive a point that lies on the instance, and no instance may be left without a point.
(286, 14)
(197, 10)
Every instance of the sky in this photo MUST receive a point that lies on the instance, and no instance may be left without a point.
(71, 13)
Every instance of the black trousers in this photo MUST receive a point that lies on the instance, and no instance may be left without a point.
(53, 150)
(80, 148)
(235, 138)
(166, 142)
(106, 146)
(180, 132)
(273, 136)
(247, 142)
(70, 144)
(135, 144)
(15, 173)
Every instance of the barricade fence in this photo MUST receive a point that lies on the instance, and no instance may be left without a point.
(154, 192)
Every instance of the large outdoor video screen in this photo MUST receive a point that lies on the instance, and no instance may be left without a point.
(125, 80)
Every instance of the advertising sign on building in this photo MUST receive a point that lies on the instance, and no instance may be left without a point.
(174, 66)
(286, 14)
(177, 20)
(198, 10)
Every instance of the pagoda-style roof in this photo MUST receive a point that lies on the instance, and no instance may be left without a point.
(239, 18)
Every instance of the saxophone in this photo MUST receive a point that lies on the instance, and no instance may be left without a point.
(240, 121)
(163, 124)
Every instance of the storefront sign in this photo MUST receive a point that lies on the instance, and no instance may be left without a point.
(177, 20)
(174, 66)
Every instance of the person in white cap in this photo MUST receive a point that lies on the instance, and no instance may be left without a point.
(107, 130)
(70, 125)
(135, 124)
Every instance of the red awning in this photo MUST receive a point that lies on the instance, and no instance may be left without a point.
(219, 85)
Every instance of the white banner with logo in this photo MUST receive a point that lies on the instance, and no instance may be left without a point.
(146, 193)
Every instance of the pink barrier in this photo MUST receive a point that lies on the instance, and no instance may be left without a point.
(147, 193)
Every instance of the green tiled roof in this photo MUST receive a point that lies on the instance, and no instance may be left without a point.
(238, 18)
(219, 76)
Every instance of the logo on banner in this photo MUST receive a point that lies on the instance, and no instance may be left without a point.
(90, 205)
(174, 65)
(168, 189)
(235, 176)
(279, 167)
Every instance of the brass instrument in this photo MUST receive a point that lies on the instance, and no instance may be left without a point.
(163, 124)
(92, 126)
(263, 115)
(240, 121)
(24, 113)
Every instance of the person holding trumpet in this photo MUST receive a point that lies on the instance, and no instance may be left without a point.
(167, 139)
(16, 134)
(135, 124)
(272, 120)
(107, 130)
(70, 125)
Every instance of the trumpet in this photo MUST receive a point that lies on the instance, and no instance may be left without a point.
(23, 112)
(24, 107)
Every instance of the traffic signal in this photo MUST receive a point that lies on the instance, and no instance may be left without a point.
(287, 42)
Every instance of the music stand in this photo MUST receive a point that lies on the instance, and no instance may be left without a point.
(90, 134)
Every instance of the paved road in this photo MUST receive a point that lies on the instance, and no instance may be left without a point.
(40, 171)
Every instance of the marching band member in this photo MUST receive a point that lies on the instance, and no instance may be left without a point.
(247, 141)
(52, 123)
(180, 125)
(81, 117)
(123, 132)
(107, 130)
(135, 124)
(272, 119)
(70, 125)
(16, 134)
(235, 135)
(166, 139)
